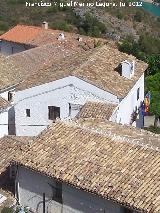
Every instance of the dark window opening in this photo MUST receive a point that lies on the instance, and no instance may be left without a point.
(70, 109)
(138, 91)
(12, 50)
(119, 69)
(128, 210)
(28, 113)
(10, 96)
(53, 112)
(57, 192)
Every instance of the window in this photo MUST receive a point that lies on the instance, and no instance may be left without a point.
(10, 96)
(138, 91)
(12, 50)
(70, 109)
(57, 191)
(53, 112)
(28, 113)
(126, 210)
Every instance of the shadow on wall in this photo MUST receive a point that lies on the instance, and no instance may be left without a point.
(11, 121)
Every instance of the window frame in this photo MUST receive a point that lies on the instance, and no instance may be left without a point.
(138, 93)
(28, 113)
(53, 111)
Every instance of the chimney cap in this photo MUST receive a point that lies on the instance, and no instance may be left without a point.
(45, 25)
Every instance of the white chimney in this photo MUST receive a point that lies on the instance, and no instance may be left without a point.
(61, 36)
(133, 68)
(128, 68)
(45, 25)
(79, 38)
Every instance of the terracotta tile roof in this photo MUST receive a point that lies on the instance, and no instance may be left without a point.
(126, 132)
(37, 36)
(17, 67)
(10, 148)
(21, 34)
(98, 110)
(96, 66)
(9, 73)
(97, 163)
(41, 57)
(4, 103)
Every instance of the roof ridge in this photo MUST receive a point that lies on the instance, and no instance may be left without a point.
(114, 137)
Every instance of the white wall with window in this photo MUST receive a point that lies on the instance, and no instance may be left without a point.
(60, 198)
(59, 99)
(130, 103)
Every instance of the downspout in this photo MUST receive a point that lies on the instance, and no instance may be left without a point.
(17, 186)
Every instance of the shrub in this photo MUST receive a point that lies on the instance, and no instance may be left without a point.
(7, 210)
(60, 25)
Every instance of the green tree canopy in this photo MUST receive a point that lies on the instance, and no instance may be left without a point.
(153, 85)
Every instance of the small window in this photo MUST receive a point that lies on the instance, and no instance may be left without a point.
(12, 50)
(58, 193)
(70, 109)
(10, 96)
(126, 210)
(28, 113)
(138, 91)
(53, 112)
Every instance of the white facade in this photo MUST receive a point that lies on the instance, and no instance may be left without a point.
(9, 48)
(3, 123)
(69, 94)
(64, 93)
(130, 102)
(31, 186)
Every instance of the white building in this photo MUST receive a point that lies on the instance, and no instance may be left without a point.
(53, 81)
(4, 108)
(61, 90)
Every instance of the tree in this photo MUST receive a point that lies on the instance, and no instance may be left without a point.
(153, 85)
(154, 64)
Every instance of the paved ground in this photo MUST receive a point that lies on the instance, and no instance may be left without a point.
(149, 121)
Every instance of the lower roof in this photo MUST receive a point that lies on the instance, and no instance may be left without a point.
(4, 104)
(98, 110)
(10, 148)
(91, 160)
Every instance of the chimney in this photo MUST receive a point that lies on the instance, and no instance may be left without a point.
(45, 25)
(132, 68)
(79, 38)
(128, 69)
(61, 36)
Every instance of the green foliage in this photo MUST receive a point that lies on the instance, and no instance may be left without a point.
(19, 1)
(7, 210)
(120, 15)
(3, 26)
(60, 25)
(138, 16)
(153, 129)
(130, 46)
(92, 26)
(154, 64)
(149, 44)
(153, 85)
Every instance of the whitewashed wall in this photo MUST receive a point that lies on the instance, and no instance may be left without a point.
(128, 104)
(3, 123)
(9, 48)
(58, 93)
(32, 186)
